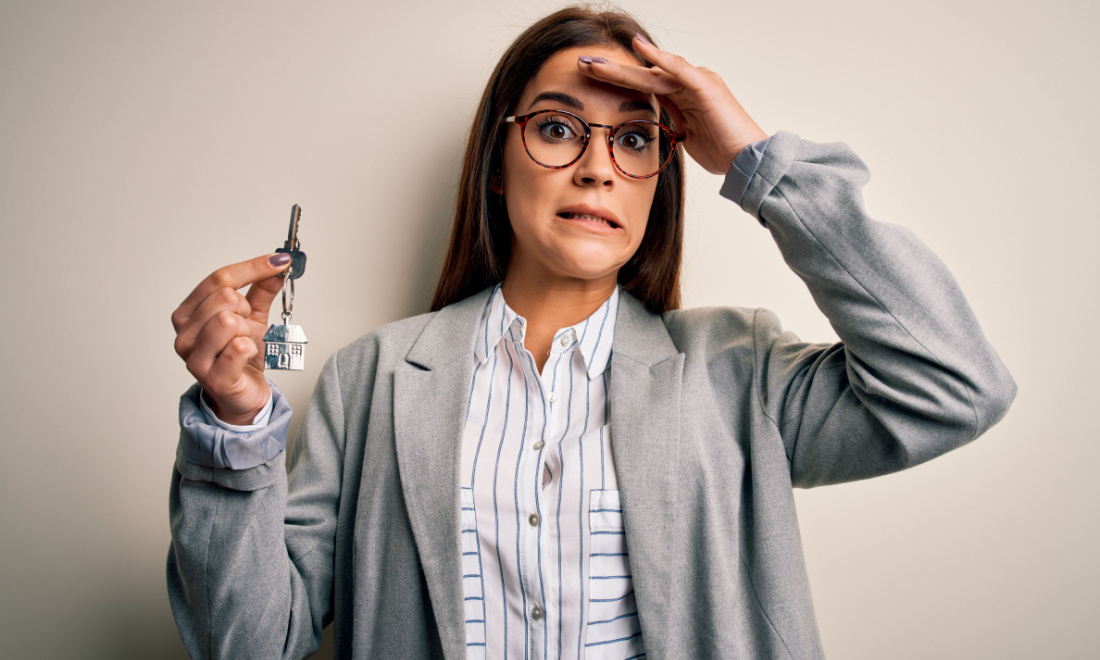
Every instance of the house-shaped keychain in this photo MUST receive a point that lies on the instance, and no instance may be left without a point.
(285, 347)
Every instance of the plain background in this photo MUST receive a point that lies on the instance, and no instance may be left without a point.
(142, 145)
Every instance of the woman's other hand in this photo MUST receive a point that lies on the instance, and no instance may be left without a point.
(700, 103)
(219, 335)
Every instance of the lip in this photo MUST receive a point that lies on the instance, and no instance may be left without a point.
(584, 209)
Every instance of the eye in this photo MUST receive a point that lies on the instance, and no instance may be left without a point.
(635, 138)
(556, 128)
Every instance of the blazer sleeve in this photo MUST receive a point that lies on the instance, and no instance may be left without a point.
(250, 573)
(912, 377)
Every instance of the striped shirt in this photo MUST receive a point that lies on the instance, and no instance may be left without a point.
(544, 560)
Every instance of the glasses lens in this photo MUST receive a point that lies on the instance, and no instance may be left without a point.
(641, 148)
(554, 139)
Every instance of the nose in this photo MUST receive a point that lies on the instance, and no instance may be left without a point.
(595, 166)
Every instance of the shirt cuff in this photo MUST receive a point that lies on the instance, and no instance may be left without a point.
(259, 421)
(204, 442)
(744, 166)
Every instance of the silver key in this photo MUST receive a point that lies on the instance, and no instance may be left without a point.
(293, 246)
(286, 343)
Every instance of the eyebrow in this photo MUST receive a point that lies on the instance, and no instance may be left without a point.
(630, 105)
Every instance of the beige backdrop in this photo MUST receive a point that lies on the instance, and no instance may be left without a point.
(144, 144)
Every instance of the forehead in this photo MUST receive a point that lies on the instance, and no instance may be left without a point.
(560, 73)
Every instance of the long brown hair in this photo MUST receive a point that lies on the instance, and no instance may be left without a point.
(480, 242)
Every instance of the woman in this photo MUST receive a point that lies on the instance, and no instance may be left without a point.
(557, 461)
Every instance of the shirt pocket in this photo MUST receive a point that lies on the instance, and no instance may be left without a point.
(613, 628)
(471, 578)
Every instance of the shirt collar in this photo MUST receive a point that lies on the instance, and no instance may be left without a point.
(593, 336)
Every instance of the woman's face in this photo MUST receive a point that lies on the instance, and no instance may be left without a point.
(583, 222)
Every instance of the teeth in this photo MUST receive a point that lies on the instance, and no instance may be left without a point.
(585, 216)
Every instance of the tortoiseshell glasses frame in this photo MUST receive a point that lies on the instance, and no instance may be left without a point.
(672, 136)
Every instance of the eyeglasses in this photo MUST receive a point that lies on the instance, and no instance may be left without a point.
(556, 139)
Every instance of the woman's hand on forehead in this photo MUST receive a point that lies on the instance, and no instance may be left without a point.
(700, 104)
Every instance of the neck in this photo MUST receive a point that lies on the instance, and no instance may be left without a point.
(552, 305)
(559, 306)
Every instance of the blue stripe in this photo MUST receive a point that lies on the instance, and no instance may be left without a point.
(475, 621)
(623, 616)
(489, 319)
(473, 381)
(603, 323)
(614, 641)
(607, 312)
(538, 506)
(595, 533)
(515, 491)
(609, 554)
(580, 503)
(467, 554)
(488, 406)
(469, 399)
(606, 421)
(561, 492)
(610, 577)
(472, 598)
(496, 508)
(470, 531)
(475, 643)
(611, 600)
(470, 575)
(606, 511)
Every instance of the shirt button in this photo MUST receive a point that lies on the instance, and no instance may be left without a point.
(538, 445)
(553, 397)
(533, 519)
(565, 340)
(536, 612)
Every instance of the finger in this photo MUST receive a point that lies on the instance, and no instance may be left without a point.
(225, 373)
(220, 300)
(261, 294)
(677, 117)
(212, 341)
(649, 80)
(233, 277)
(672, 63)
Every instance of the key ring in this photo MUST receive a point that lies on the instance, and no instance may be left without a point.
(288, 305)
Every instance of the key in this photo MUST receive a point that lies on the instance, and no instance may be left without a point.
(286, 344)
(292, 245)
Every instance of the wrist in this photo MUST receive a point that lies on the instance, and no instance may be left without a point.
(231, 416)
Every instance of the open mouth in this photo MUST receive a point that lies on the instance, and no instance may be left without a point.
(567, 215)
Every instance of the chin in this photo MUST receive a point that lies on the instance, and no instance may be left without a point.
(589, 268)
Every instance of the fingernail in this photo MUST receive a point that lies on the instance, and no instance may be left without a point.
(599, 60)
(642, 39)
(279, 259)
(586, 59)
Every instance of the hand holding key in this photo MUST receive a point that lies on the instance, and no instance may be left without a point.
(219, 334)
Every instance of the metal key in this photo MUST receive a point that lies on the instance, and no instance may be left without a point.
(292, 245)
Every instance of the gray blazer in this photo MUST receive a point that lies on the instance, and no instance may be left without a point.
(717, 414)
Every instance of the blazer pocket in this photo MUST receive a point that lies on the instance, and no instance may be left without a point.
(613, 628)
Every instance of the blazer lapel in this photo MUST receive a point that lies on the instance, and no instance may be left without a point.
(429, 407)
(646, 375)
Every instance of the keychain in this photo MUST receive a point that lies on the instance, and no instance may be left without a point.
(286, 343)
